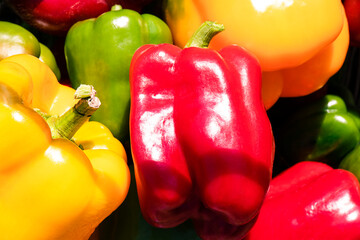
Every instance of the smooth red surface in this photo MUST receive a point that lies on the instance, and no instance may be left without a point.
(57, 16)
(310, 201)
(201, 140)
(352, 10)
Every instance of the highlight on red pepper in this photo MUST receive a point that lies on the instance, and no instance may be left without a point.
(299, 44)
(57, 16)
(310, 200)
(201, 140)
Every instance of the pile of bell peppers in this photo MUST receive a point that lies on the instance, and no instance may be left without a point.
(200, 136)
(299, 44)
(159, 119)
(98, 52)
(61, 174)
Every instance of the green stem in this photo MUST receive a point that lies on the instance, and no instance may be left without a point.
(116, 7)
(66, 125)
(202, 37)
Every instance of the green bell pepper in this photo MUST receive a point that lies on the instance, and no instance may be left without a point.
(351, 162)
(48, 57)
(15, 39)
(98, 51)
(324, 130)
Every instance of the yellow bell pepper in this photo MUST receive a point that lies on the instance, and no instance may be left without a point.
(299, 44)
(52, 188)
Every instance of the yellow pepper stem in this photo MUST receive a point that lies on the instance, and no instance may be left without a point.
(66, 125)
(203, 35)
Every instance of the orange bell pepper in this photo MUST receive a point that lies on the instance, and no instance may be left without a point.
(299, 44)
(53, 188)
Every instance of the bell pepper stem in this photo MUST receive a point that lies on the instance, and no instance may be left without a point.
(116, 7)
(66, 125)
(203, 35)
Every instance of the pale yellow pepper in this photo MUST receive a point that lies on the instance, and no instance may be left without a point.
(300, 44)
(51, 189)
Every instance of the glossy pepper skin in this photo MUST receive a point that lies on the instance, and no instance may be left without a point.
(57, 16)
(351, 162)
(352, 10)
(48, 57)
(300, 44)
(324, 130)
(201, 141)
(98, 52)
(50, 188)
(310, 201)
(14, 39)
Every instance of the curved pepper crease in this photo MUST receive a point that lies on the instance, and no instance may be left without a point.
(203, 144)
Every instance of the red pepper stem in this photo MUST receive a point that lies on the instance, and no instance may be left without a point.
(66, 125)
(203, 35)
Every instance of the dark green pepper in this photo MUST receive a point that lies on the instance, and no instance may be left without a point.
(351, 162)
(323, 131)
(98, 51)
(15, 39)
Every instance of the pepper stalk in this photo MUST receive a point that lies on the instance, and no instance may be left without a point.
(67, 124)
(202, 37)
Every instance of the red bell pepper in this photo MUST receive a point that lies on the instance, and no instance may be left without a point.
(352, 10)
(57, 16)
(201, 140)
(313, 201)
